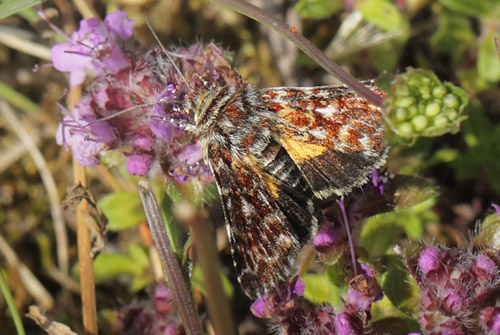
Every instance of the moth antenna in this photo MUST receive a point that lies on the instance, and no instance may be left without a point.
(185, 125)
(167, 54)
(126, 110)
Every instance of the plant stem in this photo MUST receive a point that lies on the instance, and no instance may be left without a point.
(171, 268)
(87, 283)
(304, 44)
(208, 258)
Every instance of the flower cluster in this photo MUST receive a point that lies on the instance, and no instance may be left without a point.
(135, 100)
(459, 291)
(156, 315)
(420, 104)
(292, 314)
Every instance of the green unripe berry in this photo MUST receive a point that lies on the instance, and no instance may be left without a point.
(451, 114)
(440, 122)
(419, 122)
(400, 114)
(439, 92)
(405, 129)
(432, 109)
(425, 92)
(450, 101)
(404, 102)
(402, 91)
(412, 111)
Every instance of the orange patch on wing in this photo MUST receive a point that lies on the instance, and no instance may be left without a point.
(300, 151)
(273, 188)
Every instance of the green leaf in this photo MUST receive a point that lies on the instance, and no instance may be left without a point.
(488, 60)
(470, 7)
(317, 9)
(384, 15)
(380, 231)
(12, 7)
(108, 266)
(319, 290)
(411, 191)
(454, 35)
(379, 234)
(123, 210)
(399, 286)
(489, 234)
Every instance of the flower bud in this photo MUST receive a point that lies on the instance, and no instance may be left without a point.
(421, 105)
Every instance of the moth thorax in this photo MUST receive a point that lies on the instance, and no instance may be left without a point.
(207, 105)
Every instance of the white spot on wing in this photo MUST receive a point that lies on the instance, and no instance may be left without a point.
(318, 133)
(327, 112)
(247, 208)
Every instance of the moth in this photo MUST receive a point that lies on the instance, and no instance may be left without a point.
(274, 153)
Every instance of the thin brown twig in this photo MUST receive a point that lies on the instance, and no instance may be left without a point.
(304, 44)
(87, 283)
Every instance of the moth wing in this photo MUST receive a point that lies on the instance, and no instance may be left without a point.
(268, 220)
(334, 136)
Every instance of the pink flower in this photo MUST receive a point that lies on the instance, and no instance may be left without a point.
(93, 47)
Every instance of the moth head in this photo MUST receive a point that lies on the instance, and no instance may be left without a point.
(208, 103)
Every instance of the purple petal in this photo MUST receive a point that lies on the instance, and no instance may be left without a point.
(190, 154)
(496, 324)
(89, 26)
(298, 286)
(138, 164)
(262, 307)
(143, 143)
(119, 24)
(68, 57)
(343, 324)
(85, 150)
(163, 129)
(77, 77)
(115, 62)
(486, 265)
(453, 301)
(326, 236)
(358, 300)
(429, 259)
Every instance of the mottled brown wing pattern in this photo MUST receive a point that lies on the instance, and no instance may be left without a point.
(334, 136)
(270, 213)
(273, 152)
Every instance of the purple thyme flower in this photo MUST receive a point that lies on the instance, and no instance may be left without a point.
(94, 47)
(327, 236)
(293, 314)
(150, 91)
(155, 315)
(457, 287)
(429, 260)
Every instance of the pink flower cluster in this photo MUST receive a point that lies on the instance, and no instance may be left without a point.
(459, 291)
(294, 315)
(148, 86)
(155, 315)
